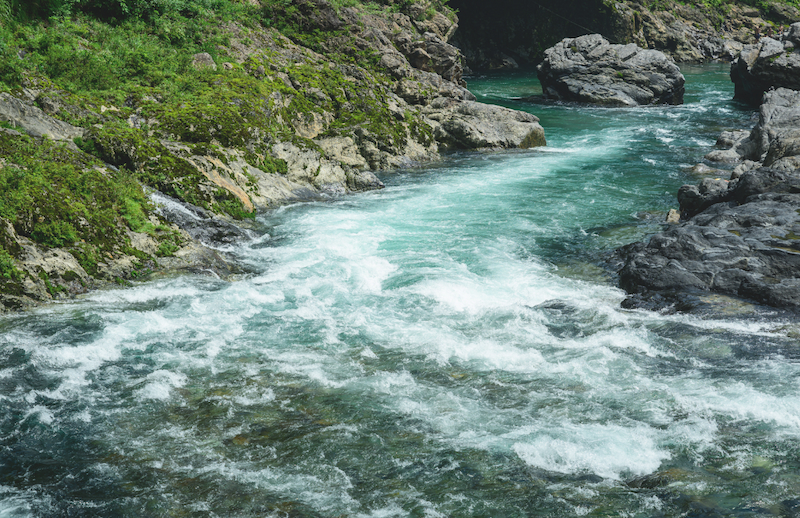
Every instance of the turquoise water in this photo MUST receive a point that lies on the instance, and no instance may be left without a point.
(447, 346)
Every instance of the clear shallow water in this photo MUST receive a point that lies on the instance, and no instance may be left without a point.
(443, 347)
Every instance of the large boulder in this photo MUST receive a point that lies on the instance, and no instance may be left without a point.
(739, 236)
(590, 69)
(769, 63)
(473, 125)
(746, 244)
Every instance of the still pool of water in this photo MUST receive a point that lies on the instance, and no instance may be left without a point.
(445, 347)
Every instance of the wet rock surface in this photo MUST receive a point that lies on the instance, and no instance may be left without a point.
(746, 243)
(738, 237)
(589, 69)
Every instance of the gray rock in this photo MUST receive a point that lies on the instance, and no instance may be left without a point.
(767, 64)
(202, 225)
(474, 125)
(590, 69)
(34, 121)
(777, 133)
(745, 242)
(203, 60)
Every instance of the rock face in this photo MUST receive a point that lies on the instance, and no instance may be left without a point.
(769, 63)
(516, 32)
(740, 236)
(34, 121)
(589, 69)
(773, 142)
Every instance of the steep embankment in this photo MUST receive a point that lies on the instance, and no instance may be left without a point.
(516, 33)
(229, 107)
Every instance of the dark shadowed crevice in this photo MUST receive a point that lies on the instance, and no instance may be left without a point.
(511, 33)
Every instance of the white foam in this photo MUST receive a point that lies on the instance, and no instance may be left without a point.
(159, 385)
(610, 451)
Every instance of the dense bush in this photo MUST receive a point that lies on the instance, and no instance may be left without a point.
(104, 9)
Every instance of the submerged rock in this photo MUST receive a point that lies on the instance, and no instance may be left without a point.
(590, 69)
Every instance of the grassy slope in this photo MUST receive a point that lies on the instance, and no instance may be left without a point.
(98, 68)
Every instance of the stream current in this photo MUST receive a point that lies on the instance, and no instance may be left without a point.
(445, 347)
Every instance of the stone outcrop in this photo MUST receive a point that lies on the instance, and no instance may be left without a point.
(471, 125)
(740, 236)
(773, 142)
(589, 69)
(515, 33)
(35, 122)
(47, 274)
(745, 244)
(769, 63)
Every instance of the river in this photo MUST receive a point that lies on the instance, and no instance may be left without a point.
(445, 347)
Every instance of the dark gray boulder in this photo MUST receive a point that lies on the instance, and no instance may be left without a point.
(769, 63)
(745, 241)
(775, 139)
(590, 69)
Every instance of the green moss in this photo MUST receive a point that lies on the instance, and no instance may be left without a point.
(55, 233)
(53, 289)
(8, 269)
(789, 236)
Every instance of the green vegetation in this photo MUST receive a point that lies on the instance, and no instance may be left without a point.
(8, 270)
(122, 69)
(61, 198)
(719, 5)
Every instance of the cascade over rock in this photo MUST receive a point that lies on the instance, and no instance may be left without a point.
(592, 70)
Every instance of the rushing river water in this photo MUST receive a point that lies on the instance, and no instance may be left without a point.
(445, 347)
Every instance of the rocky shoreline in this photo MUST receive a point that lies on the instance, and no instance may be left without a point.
(279, 123)
(737, 236)
(275, 120)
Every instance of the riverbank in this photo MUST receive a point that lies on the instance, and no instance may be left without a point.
(736, 235)
(230, 108)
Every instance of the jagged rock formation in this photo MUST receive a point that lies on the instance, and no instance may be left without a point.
(739, 236)
(589, 69)
(773, 142)
(516, 33)
(769, 63)
(746, 244)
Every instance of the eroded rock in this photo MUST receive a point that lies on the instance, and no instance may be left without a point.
(769, 63)
(589, 69)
